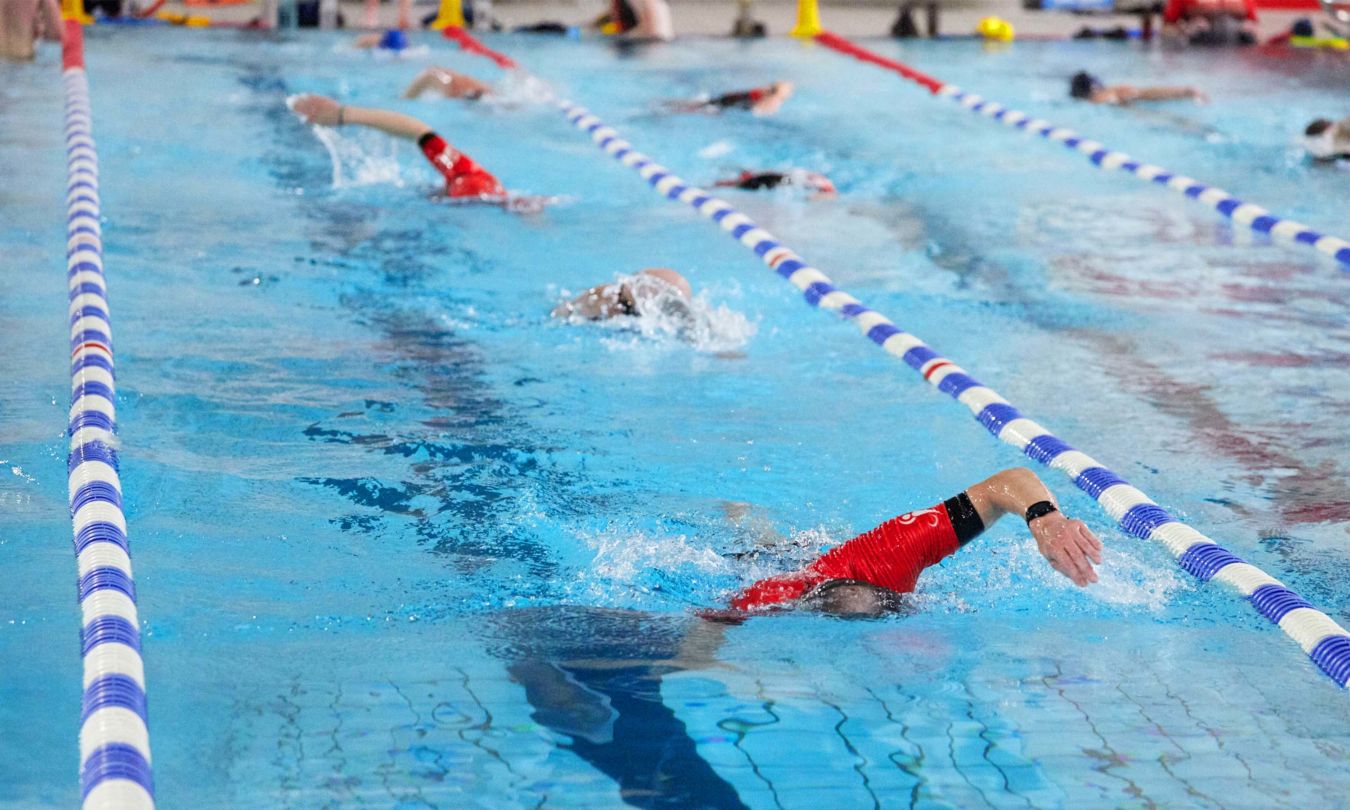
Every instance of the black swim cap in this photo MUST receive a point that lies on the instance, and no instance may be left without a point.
(1317, 127)
(1084, 84)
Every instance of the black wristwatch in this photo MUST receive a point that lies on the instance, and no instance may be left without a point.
(1039, 509)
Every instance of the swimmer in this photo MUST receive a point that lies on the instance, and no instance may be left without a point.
(657, 289)
(391, 40)
(1087, 87)
(648, 20)
(465, 180)
(448, 83)
(758, 100)
(818, 184)
(867, 575)
(1328, 141)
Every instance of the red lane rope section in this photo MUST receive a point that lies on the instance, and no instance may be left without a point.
(838, 43)
(468, 43)
(72, 45)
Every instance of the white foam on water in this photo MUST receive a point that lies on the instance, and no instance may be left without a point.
(623, 555)
(360, 157)
(517, 89)
(717, 149)
(663, 315)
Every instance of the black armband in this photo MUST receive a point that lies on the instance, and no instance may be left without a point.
(965, 520)
(1039, 509)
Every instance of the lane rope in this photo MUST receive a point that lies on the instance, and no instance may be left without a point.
(115, 769)
(1322, 639)
(1243, 213)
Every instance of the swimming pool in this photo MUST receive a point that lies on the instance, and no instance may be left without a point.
(402, 541)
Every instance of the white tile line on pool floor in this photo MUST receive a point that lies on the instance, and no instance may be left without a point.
(1243, 213)
(115, 769)
(1322, 639)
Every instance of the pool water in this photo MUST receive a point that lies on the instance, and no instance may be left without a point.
(403, 541)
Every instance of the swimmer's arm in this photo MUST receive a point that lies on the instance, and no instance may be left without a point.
(1069, 546)
(447, 82)
(1168, 94)
(328, 112)
(427, 79)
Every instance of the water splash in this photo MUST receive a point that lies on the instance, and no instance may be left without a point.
(360, 157)
(518, 89)
(663, 314)
(717, 149)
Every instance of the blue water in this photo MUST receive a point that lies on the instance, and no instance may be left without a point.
(402, 541)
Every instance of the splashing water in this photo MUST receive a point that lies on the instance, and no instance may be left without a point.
(517, 89)
(717, 149)
(360, 158)
(664, 314)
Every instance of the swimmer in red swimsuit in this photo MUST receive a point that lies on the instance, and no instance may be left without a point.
(867, 575)
(758, 100)
(464, 179)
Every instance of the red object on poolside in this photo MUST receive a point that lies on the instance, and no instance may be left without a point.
(1175, 10)
(468, 43)
(72, 46)
(842, 45)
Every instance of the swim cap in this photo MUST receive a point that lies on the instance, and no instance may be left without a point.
(1084, 84)
(995, 28)
(1320, 140)
(393, 40)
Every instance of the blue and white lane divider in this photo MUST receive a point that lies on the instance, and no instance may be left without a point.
(1243, 213)
(114, 737)
(1325, 641)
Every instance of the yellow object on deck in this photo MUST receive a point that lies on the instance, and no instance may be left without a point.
(808, 19)
(1335, 43)
(451, 14)
(996, 29)
(74, 10)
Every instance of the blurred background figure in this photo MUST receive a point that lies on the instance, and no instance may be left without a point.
(746, 26)
(371, 19)
(641, 20)
(23, 22)
(1087, 87)
(1211, 22)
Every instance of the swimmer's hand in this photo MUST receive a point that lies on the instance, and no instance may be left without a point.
(1069, 546)
(313, 109)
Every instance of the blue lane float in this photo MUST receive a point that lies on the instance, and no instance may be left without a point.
(1324, 641)
(1243, 213)
(115, 771)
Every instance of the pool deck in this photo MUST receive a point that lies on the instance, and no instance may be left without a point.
(715, 18)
